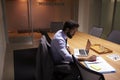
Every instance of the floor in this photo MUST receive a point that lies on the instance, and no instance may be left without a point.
(8, 73)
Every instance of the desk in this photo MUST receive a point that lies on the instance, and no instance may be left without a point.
(79, 41)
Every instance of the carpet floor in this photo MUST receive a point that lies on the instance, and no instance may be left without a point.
(24, 64)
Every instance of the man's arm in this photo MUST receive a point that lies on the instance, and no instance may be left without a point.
(61, 47)
(89, 58)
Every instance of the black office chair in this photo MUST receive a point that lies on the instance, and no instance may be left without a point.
(96, 31)
(55, 26)
(114, 36)
(46, 35)
(85, 73)
(45, 67)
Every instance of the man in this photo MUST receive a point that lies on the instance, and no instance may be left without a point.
(59, 47)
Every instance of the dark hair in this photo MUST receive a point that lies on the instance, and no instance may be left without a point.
(70, 24)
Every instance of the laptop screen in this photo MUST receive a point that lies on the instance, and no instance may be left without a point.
(88, 46)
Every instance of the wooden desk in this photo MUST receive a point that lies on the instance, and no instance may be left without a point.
(79, 41)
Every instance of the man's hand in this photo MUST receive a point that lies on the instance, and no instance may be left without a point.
(91, 58)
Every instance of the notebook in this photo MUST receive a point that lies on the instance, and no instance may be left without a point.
(100, 65)
(83, 52)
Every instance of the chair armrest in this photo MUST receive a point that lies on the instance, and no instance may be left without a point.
(65, 62)
(63, 68)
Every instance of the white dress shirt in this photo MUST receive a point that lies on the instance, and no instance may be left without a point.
(59, 49)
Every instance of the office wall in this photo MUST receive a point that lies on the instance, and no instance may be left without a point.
(45, 12)
(107, 16)
(16, 14)
(95, 13)
(117, 16)
(42, 13)
(89, 14)
(83, 15)
(2, 43)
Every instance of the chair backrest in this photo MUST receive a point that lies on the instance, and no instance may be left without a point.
(44, 63)
(114, 36)
(47, 36)
(96, 31)
(55, 26)
(85, 73)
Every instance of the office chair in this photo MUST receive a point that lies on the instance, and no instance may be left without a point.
(96, 31)
(85, 73)
(45, 67)
(55, 26)
(114, 36)
(46, 35)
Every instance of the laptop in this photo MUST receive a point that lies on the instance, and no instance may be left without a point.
(83, 52)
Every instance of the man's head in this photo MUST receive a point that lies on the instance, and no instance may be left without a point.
(70, 27)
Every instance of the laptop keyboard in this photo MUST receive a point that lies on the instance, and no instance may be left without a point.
(79, 52)
(82, 52)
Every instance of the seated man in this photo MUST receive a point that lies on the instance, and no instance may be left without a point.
(60, 51)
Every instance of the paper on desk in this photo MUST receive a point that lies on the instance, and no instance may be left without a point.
(76, 52)
(114, 57)
(100, 65)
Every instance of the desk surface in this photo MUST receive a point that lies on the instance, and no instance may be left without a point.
(79, 41)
